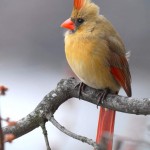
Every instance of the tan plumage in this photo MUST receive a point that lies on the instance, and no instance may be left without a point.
(92, 50)
(96, 54)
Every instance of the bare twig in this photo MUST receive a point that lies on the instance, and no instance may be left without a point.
(1, 136)
(71, 134)
(64, 91)
(3, 90)
(118, 145)
(45, 135)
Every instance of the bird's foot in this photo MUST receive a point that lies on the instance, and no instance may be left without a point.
(81, 87)
(103, 95)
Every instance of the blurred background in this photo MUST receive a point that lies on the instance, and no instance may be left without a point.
(32, 62)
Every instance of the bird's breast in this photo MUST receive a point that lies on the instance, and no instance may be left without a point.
(88, 60)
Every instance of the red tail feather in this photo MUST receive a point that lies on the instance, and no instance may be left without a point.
(105, 124)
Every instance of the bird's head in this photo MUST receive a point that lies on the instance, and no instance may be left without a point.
(83, 17)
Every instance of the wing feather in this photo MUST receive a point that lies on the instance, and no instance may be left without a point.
(119, 66)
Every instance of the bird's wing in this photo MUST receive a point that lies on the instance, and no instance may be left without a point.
(118, 64)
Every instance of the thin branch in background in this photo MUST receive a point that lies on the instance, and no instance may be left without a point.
(1, 136)
(71, 134)
(118, 144)
(45, 135)
(3, 90)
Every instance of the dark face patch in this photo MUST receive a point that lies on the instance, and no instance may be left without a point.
(77, 21)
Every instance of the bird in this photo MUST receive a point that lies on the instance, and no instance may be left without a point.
(97, 55)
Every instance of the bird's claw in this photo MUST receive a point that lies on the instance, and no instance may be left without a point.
(81, 86)
(103, 96)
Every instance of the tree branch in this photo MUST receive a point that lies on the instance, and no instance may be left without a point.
(66, 90)
(45, 135)
(71, 134)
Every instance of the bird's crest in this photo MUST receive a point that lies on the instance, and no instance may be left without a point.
(78, 4)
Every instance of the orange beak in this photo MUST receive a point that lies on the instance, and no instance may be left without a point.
(68, 24)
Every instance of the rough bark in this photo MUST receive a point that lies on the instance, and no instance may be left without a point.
(65, 90)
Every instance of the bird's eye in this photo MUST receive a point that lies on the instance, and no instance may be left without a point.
(80, 20)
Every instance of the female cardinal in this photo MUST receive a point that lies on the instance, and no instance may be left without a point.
(96, 54)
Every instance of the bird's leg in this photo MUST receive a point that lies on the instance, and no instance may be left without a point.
(103, 95)
(81, 86)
